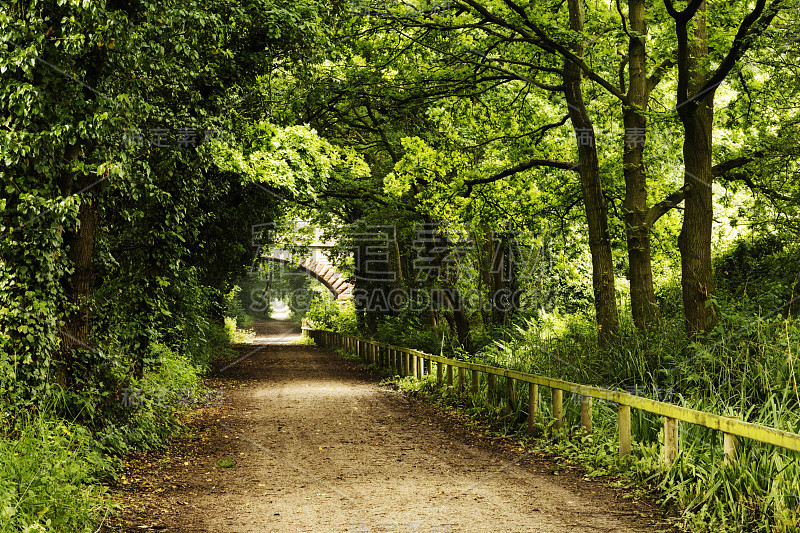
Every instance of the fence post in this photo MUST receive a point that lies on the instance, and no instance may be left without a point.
(490, 388)
(533, 405)
(439, 370)
(414, 365)
(476, 382)
(449, 375)
(624, 415)
(670, 439)
(729, 446)
(558, 410)
(461, 378)
(586, 414)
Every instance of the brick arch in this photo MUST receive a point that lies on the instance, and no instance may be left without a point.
(325, 273)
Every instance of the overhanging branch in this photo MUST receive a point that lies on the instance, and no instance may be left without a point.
(532, 163)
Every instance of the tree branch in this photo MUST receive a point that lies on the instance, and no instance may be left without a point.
(663, 207)
(533, 163)
(721, 169)
(752, 26)
(766, 191)
(658, 73)
(541, 39)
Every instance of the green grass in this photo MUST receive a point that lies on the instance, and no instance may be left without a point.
(50, 478)
(745, 368)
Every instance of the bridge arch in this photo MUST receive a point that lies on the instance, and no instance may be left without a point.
(324, 272)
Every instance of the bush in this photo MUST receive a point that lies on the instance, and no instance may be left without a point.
(407, 329)
(236, 335)
(235, 309)
(759, 274)
(50, 477)
(325, 313)
(148, 406)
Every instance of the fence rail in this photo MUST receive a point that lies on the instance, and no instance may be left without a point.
(408, 362)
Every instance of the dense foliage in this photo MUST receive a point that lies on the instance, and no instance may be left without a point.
(605, 192)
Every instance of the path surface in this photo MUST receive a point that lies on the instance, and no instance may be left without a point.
(320, 447)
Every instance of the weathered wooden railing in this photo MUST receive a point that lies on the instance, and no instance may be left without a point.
(408, 362)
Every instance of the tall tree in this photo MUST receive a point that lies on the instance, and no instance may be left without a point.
(589, 169)
(697, 84)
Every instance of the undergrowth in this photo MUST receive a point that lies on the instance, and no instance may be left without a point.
(50, 478)
(54, 471)
(746, 373)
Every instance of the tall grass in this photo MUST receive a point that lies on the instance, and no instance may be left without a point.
(745, 368)
(49, 480)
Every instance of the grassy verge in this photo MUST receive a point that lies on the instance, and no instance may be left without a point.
(54, 472)
(51, 477)
(741, 370)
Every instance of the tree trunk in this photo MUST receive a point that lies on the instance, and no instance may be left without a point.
(460, 320)
(499, 252)
(79, 290)
(694, 241)
(484, 255)
(640, 270)
(593, 199)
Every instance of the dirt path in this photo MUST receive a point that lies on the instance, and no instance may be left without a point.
(319, 446)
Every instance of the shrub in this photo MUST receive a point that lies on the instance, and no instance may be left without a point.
(325, 313)
(50, 477)
(235, 309)
(148, 406)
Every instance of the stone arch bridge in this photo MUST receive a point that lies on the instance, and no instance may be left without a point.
(317, 265)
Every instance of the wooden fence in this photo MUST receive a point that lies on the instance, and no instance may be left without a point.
(408, 362)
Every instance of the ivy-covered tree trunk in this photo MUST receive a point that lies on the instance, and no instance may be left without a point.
(593, 199)
(493, 259)
(79, 290)
(460, 318)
